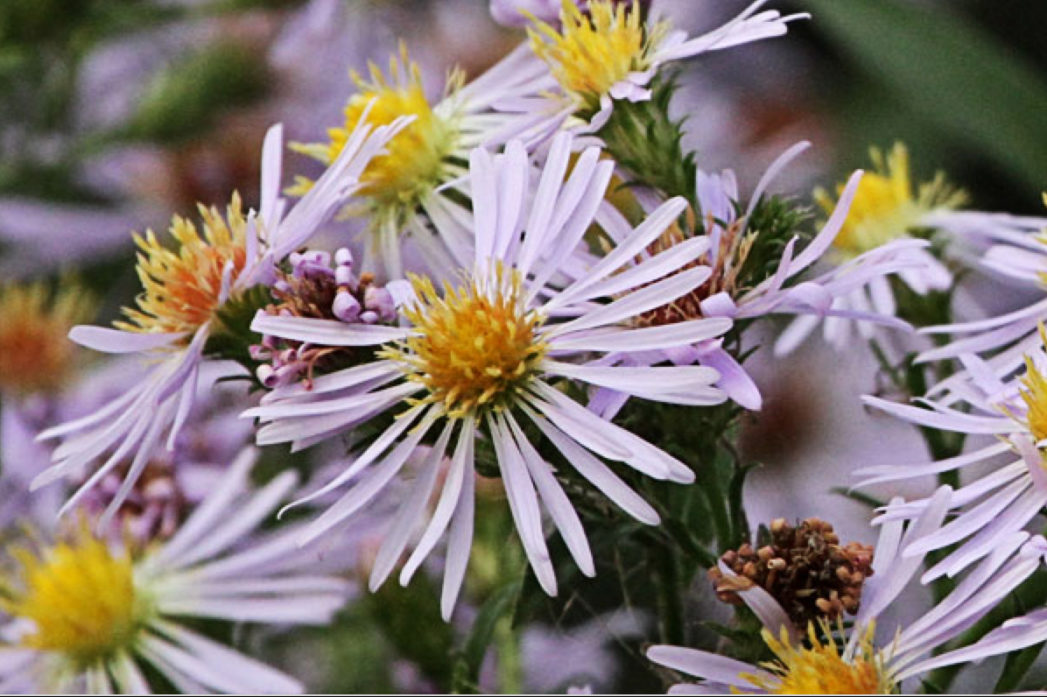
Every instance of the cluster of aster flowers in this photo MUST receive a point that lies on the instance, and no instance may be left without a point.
(543, 312)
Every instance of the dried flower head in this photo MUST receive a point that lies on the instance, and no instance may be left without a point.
(805, 568)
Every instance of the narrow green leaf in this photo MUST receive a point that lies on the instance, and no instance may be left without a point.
(499, 605)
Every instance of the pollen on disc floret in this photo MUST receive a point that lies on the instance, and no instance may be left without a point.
(821, 668)
(594, 51)
(79, 596)
(413, 162)
(886, 205)
(475, 346)
(182, 287)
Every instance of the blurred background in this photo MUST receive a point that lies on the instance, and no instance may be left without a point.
(114, 114)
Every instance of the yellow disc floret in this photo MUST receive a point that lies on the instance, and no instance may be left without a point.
(1034, 395)
(885, 206)
(35, 353)
(821, 669)
(414, 162)
(183, 287)
(474, 348)
(593, 52)
(79, 597)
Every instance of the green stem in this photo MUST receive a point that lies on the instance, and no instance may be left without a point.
(510, 665)
(669, 594)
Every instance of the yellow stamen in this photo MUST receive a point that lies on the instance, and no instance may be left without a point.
(183, 287)
(79, 596)
(884, 207)
(593, 52)
(35, 353)
(1035, 395)
(475, 347)
(414, 163)
(821, 669)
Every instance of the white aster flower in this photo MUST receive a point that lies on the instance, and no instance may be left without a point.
(419, 181)
(1011, 492)
(84, 615)
(876, 659)
(479, 360)
(730, 240)
(609, 53)
(176, 314)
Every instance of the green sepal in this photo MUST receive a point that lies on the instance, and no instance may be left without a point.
(231, 335)
(644, 140)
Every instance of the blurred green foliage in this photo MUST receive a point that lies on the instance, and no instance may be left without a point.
(951, 78)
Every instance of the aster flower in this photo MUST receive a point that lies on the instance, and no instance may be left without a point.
(35, 355)
(1017, 253)
(731, 292)
(888, 209)
(183, 292)
(610, 53)
(871, 658)
(85, 615)
(420, 177)
(476, 359)
(1012, 489)
(885, 213)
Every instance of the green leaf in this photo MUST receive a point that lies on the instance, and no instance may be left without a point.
(858, 496)
(1014, 669)
(499, 605)
(949, 73)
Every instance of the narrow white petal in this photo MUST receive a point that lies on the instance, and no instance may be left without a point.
(460, 536)
(109, 340)
(556, 502)
(596, 472)
(703, 664)
(326, 332)
(523, 503)
(445, 507)
(409, 513)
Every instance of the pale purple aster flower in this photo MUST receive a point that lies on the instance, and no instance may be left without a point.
(888, 210)
(215, 567)
(728, 241)
(877, 658)
(413, 192)
(1010, 493)
(175, 316)
(476, 359)
(609, 54)
(1011, 248)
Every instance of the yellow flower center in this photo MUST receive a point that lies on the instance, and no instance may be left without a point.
(474, 348)
(35, 353)
(79, 596)
(1035, 396)
(183, 287)
(414, 163)
(821, 669)
(593, 52)
(885, 208)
